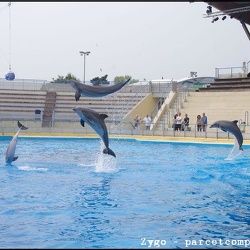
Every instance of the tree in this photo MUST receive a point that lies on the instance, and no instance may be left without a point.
(118, 79)
(98, 80)
(62, 79)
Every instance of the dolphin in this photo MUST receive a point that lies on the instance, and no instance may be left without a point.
(95, 90)
(10, 153)
(96, 121)
(231, 127)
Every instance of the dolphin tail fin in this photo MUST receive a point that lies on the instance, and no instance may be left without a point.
(126, 81)
(109, 152)
(20, 125)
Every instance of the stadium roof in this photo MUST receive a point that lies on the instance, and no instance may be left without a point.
(237, 10)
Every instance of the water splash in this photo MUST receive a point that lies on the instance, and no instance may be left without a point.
(105, 162)
(235, 152)
(28, 168)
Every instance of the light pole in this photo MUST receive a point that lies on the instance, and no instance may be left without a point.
(84, 53)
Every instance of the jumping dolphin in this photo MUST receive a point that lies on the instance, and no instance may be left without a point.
(10, 153)
(96, 121)
(231, 127)
(95, 90)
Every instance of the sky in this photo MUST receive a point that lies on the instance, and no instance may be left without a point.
(146, 40)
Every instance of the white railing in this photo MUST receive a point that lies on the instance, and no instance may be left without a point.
(230, 72)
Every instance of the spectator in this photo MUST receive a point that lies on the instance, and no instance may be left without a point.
(147, 121)
(243, 127)
(204, 121)
(174, 121)
(186, 122)
(178, 122)
(199, 123)
(137, 122)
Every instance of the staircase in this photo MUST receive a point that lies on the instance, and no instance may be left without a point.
(48, 112)
(227, 105)
(221, 105)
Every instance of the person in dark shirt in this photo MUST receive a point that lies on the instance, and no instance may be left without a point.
(186, 122)
(204, 122)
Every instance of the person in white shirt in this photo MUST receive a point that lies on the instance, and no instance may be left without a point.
(178, 122)
(147, 121)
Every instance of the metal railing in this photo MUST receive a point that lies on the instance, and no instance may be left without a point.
(163, 97)
(231, 72)
(73, 128)
(44, 85)
(140, 93)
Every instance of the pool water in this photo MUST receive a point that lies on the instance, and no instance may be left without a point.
(64, 193)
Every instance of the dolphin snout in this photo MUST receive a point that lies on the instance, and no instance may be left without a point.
(214, 126)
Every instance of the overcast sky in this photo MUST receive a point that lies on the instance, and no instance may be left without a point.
(142, 39)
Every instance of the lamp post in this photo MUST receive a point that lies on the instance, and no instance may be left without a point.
(82, 53)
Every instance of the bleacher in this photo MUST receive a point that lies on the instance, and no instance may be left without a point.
(228, 84)
(115, 105)
(20, 104)
(31, 106)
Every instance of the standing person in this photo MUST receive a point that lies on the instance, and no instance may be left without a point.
(204, 121)
(199, 123)
(137, 122)
(174, 121)
(178, 122)
(186, 122)
(147, 121)
(243, 127)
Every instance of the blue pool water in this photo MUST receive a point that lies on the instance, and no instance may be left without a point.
(64, 193)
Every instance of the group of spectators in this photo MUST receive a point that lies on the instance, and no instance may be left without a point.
(138, 121)
(178, 123)
(201, 122)
(181, 125)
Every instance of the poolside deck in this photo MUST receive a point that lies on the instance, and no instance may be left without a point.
(137, 137)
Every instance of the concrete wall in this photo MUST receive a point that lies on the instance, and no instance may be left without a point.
(144, 107)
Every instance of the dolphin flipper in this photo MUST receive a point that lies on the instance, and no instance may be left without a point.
(108, 151)
(77, 95)
(223, 129)
(82, 123)
(15, 158)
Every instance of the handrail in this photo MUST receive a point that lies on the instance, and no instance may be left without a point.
(161, 99)
(9, 126)
(246, 117)
(125, 105)
(217, 74)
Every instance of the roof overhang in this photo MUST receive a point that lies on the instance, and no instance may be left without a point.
(237, 10)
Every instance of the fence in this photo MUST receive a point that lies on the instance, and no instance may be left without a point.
(73, 128)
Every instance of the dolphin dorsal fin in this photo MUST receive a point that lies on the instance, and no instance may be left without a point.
(82, 123)
(103, 116)
(235, 121)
